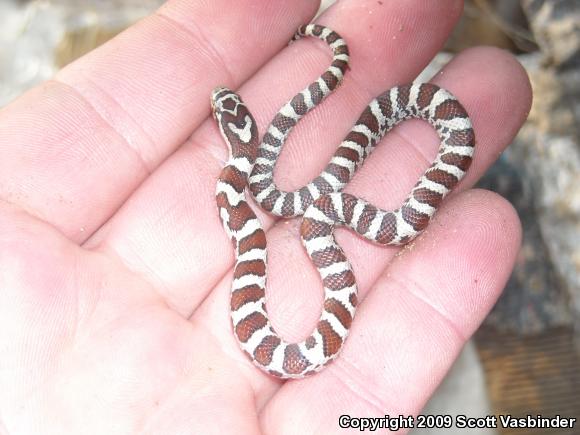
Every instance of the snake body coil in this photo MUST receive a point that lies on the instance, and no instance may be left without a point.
(323, 204)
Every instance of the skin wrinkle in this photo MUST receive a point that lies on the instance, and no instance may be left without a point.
(209, 143)
(423, 161)
(421, 150)
(232, 353)
(161, 284)
(502, 208)
(163, 401)
(141, 162)
(202, 40)
(342, 370)
(160, 287)
(41, 214)
(408, 289)
(148, 168)
(61, 356)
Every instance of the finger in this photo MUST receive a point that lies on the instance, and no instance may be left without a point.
(74, 148)
(170, 231)
(477, 77)
(413, 323)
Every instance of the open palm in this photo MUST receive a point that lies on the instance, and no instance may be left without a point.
(114, 267)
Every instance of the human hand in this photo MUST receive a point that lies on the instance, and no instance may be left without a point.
(115, 270)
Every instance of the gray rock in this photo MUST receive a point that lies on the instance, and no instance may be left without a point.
(534, 298)
(556, 26)
(548, 147)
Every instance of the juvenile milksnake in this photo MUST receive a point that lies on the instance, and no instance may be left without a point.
(323, 205)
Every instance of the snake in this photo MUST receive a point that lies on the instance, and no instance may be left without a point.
(322, 204)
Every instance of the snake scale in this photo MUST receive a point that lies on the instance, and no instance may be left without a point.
(322, 204)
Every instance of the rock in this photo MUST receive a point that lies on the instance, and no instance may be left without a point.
(534, 299)
(556, 27)
(551, 164)
(548, 147)
(500, 23)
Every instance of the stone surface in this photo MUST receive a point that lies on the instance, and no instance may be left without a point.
(556, 28)
(551, 164)
(500, 23)
(534, 299)
(548, 147)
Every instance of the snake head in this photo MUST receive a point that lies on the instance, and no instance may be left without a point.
(236, 123)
